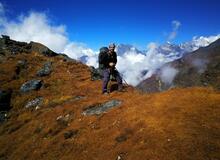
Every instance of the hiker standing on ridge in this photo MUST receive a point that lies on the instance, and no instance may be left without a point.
(109, 60)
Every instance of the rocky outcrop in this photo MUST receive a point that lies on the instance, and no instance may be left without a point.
(101, 108)
(40, 48)
(45, 70)
(12, 47)
(31, 85)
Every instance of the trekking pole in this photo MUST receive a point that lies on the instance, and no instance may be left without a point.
(122, 77)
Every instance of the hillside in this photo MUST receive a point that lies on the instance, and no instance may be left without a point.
(178, 124)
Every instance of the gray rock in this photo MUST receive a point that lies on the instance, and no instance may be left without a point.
(101, 108)
(96, 73)
(5, 99)
(46, 70)
(35, 102)
(31, 85)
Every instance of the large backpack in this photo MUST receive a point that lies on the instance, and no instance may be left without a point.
(102, 52)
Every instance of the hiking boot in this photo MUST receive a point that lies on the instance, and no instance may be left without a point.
(105, 93)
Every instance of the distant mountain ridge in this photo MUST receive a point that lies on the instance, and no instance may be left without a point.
(170, 49)
(198, 68)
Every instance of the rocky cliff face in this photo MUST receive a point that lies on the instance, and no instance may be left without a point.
(61, 114)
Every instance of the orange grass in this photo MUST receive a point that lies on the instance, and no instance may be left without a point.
(179, 124)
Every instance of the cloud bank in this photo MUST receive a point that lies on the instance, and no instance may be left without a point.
(133, 64)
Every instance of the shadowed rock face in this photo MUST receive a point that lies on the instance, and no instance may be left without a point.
(12, 47)
(101, 108)
(199, 68)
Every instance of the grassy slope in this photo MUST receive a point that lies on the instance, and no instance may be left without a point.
(176, 124)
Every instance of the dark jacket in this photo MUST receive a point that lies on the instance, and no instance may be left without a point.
(106, 58)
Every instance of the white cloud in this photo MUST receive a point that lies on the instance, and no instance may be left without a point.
(76, 50)
(92, 61)
(132, 64)
(168, 74)
(152, 46)
(175, 24)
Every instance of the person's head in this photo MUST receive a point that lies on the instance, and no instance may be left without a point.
(111, 47)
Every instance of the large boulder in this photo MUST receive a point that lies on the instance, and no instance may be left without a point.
(101, 108)
(31, 85)
(45, 70)
(11, 47)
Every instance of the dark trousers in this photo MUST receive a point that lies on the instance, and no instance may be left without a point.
(106, 77)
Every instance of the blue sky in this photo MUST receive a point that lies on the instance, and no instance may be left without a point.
(138, 22)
